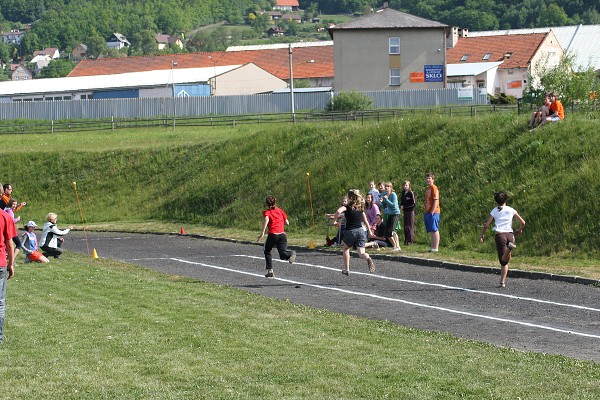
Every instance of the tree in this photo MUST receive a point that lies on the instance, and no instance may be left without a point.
(571, 84)
(553, 15)
(312, 11)
(96, 45)
(57, 69)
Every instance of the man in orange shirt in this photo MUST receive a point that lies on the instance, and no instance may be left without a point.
(557, 111)
(432, 211)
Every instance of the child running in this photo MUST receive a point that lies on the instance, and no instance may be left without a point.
(275, 219)
(505, 239)
(355, 234)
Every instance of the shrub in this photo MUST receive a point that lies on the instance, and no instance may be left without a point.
(502, 98)
(350, 101)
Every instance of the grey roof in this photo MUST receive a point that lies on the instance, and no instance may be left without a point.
(389, 19)
(579, 40)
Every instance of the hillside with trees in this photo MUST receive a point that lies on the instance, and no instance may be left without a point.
(213, 25)
(478, 15)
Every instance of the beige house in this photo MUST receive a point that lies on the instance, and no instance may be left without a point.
(389, 50)
(514, 58)
(247, 79)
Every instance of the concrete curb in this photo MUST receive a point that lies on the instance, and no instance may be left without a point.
(427, 262)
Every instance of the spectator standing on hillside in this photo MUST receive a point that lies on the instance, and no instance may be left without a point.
(371, 209)
(30, 245)
(275, 219)
(355, 235)
(557, 111)
(503, 216)
(407, 205)
(6, 195)
(432, 212)
(7, 261)
(52, 237)
(391, 208)
(373, 191)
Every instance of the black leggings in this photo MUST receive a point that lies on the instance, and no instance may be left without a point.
(280, 241)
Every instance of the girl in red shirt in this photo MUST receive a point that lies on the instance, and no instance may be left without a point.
(275, 219)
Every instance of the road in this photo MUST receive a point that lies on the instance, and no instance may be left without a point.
(530, 315)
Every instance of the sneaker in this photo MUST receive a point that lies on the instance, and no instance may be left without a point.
(292, 258)
(511, 246)
(371, 265)
(269, 274)
(376, 246)
(396, 249)
(345, 272)
(433, 250)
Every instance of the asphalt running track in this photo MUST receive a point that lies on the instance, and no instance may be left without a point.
(531, 315)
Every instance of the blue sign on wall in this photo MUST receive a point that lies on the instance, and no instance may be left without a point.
(434, 73)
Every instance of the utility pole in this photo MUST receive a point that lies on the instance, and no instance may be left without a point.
(292, 86)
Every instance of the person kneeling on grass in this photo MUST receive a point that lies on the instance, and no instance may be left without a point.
(503, 216)
(275, 219)
(30, 245)
(52, 237)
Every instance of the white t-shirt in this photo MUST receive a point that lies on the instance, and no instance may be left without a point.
(503, 218)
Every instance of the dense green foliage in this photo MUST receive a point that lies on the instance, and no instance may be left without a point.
(550, 172)
(350, 101)
(480, 14)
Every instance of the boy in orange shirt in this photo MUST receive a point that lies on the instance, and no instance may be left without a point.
(557, 111)
(432, 212)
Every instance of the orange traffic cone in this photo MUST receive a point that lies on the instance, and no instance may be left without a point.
(94, 254)
(182, 231)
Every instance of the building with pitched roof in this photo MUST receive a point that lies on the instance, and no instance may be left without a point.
(580, 41)
(389, 50)
(519, 56)
(286, 5)
(311, 62)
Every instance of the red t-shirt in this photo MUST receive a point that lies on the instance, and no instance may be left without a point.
(277, 219)
(7, 232)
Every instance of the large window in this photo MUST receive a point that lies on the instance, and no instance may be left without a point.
(394, 45)
(394, 77)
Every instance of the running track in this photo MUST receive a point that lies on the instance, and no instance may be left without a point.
(532, 315)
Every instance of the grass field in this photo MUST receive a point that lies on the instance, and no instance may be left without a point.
(96, 329)
(81, 328)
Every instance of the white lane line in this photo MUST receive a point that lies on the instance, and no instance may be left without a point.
(376, 276)
(375, 296)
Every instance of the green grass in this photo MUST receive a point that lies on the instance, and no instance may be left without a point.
(216, 179)
(80, 328)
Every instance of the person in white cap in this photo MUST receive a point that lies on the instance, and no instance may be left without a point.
(29, 245)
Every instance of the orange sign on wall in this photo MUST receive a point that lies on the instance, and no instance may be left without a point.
(514, 84)
(417, 77)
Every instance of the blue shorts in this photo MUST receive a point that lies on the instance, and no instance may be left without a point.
(554, 118)
(431, 222)
(355, 237)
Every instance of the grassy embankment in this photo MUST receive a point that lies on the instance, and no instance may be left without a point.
(214, 180)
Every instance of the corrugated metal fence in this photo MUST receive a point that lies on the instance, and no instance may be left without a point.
(224, 105)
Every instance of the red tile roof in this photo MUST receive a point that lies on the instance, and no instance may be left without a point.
(287, 3)
(522, 47)
(309, 62)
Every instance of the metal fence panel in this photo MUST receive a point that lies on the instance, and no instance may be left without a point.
(221, 105)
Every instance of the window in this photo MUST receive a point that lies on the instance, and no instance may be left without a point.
(465, 57)
(394, 77)
(487, 56)
(394, 45)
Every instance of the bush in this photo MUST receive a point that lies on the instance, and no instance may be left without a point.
(502, 98)
(350, 101)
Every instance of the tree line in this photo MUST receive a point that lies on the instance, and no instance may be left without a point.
(478, 15)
